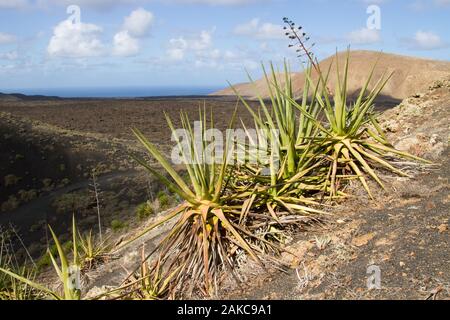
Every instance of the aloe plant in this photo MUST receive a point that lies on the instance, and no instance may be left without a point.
(93, 250)
(351, 136)
(293, 165)
(206, 228)
(10, 287)
(67, 272)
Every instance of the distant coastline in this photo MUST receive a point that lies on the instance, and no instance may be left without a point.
(114, 92)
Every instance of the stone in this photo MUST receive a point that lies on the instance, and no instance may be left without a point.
(406, 143)
(443, 228)
(363, 240)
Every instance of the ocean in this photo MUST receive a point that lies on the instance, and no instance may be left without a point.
(116, 92)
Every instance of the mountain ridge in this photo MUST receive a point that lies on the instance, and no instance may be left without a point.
(410, 75)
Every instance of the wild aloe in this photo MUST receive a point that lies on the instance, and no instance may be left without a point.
(294, 174)
(209, 229)
(10, 287)
(346, 136)
(68, 273)
(93, 250)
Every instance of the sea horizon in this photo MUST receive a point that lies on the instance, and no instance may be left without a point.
(116, 91)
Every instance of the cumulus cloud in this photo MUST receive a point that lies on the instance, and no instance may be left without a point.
(138, 23)
(217, 2)
(225, 60)
(426, 40)
(6, 38)
(11, 55)
(203, 42)
(135, 26)
(198, 51)
(108, 4)
(364, 36)
(13, 4)
(179, 47)
(91, 4)
(75, 40)
(125, 45)
(265, 31)
(374, 1)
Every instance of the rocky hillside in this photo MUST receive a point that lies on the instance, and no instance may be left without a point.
(411, 75)
(404, 232)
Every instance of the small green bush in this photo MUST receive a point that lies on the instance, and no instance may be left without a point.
(27, 196)
(47, 184)
(11, 180)
(164, 200)
(144, 210)
(118, 225)
(11, 204)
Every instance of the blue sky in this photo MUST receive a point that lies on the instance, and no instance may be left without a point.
(196, 42)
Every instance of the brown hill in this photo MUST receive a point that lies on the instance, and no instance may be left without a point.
(411, 75)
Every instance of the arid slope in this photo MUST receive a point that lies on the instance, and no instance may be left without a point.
(411, 75)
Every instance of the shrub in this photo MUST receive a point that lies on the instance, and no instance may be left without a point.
(118, 225)
(351, 137)
(93, 250)
(28, 196)
(144, 210)
(11, 204)
(291, 176)
(11, 180)
(66, 272)
(211, 222)
(10, 287)
(47, 183)
(163, 199)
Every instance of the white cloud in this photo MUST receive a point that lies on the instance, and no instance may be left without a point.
(138, 23)
(198, 51)
(125, 45)
(425, 40)
(135, 26)
(6, 38)
(224, 60)
(108, 4)
(179, 47)
(374, 1)
(92, 4)
(217, 2)
(203, 42)
(364, 36)
(258, 30)
(75, 40)
(418, 5)
(11, 55)
(13, 4)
